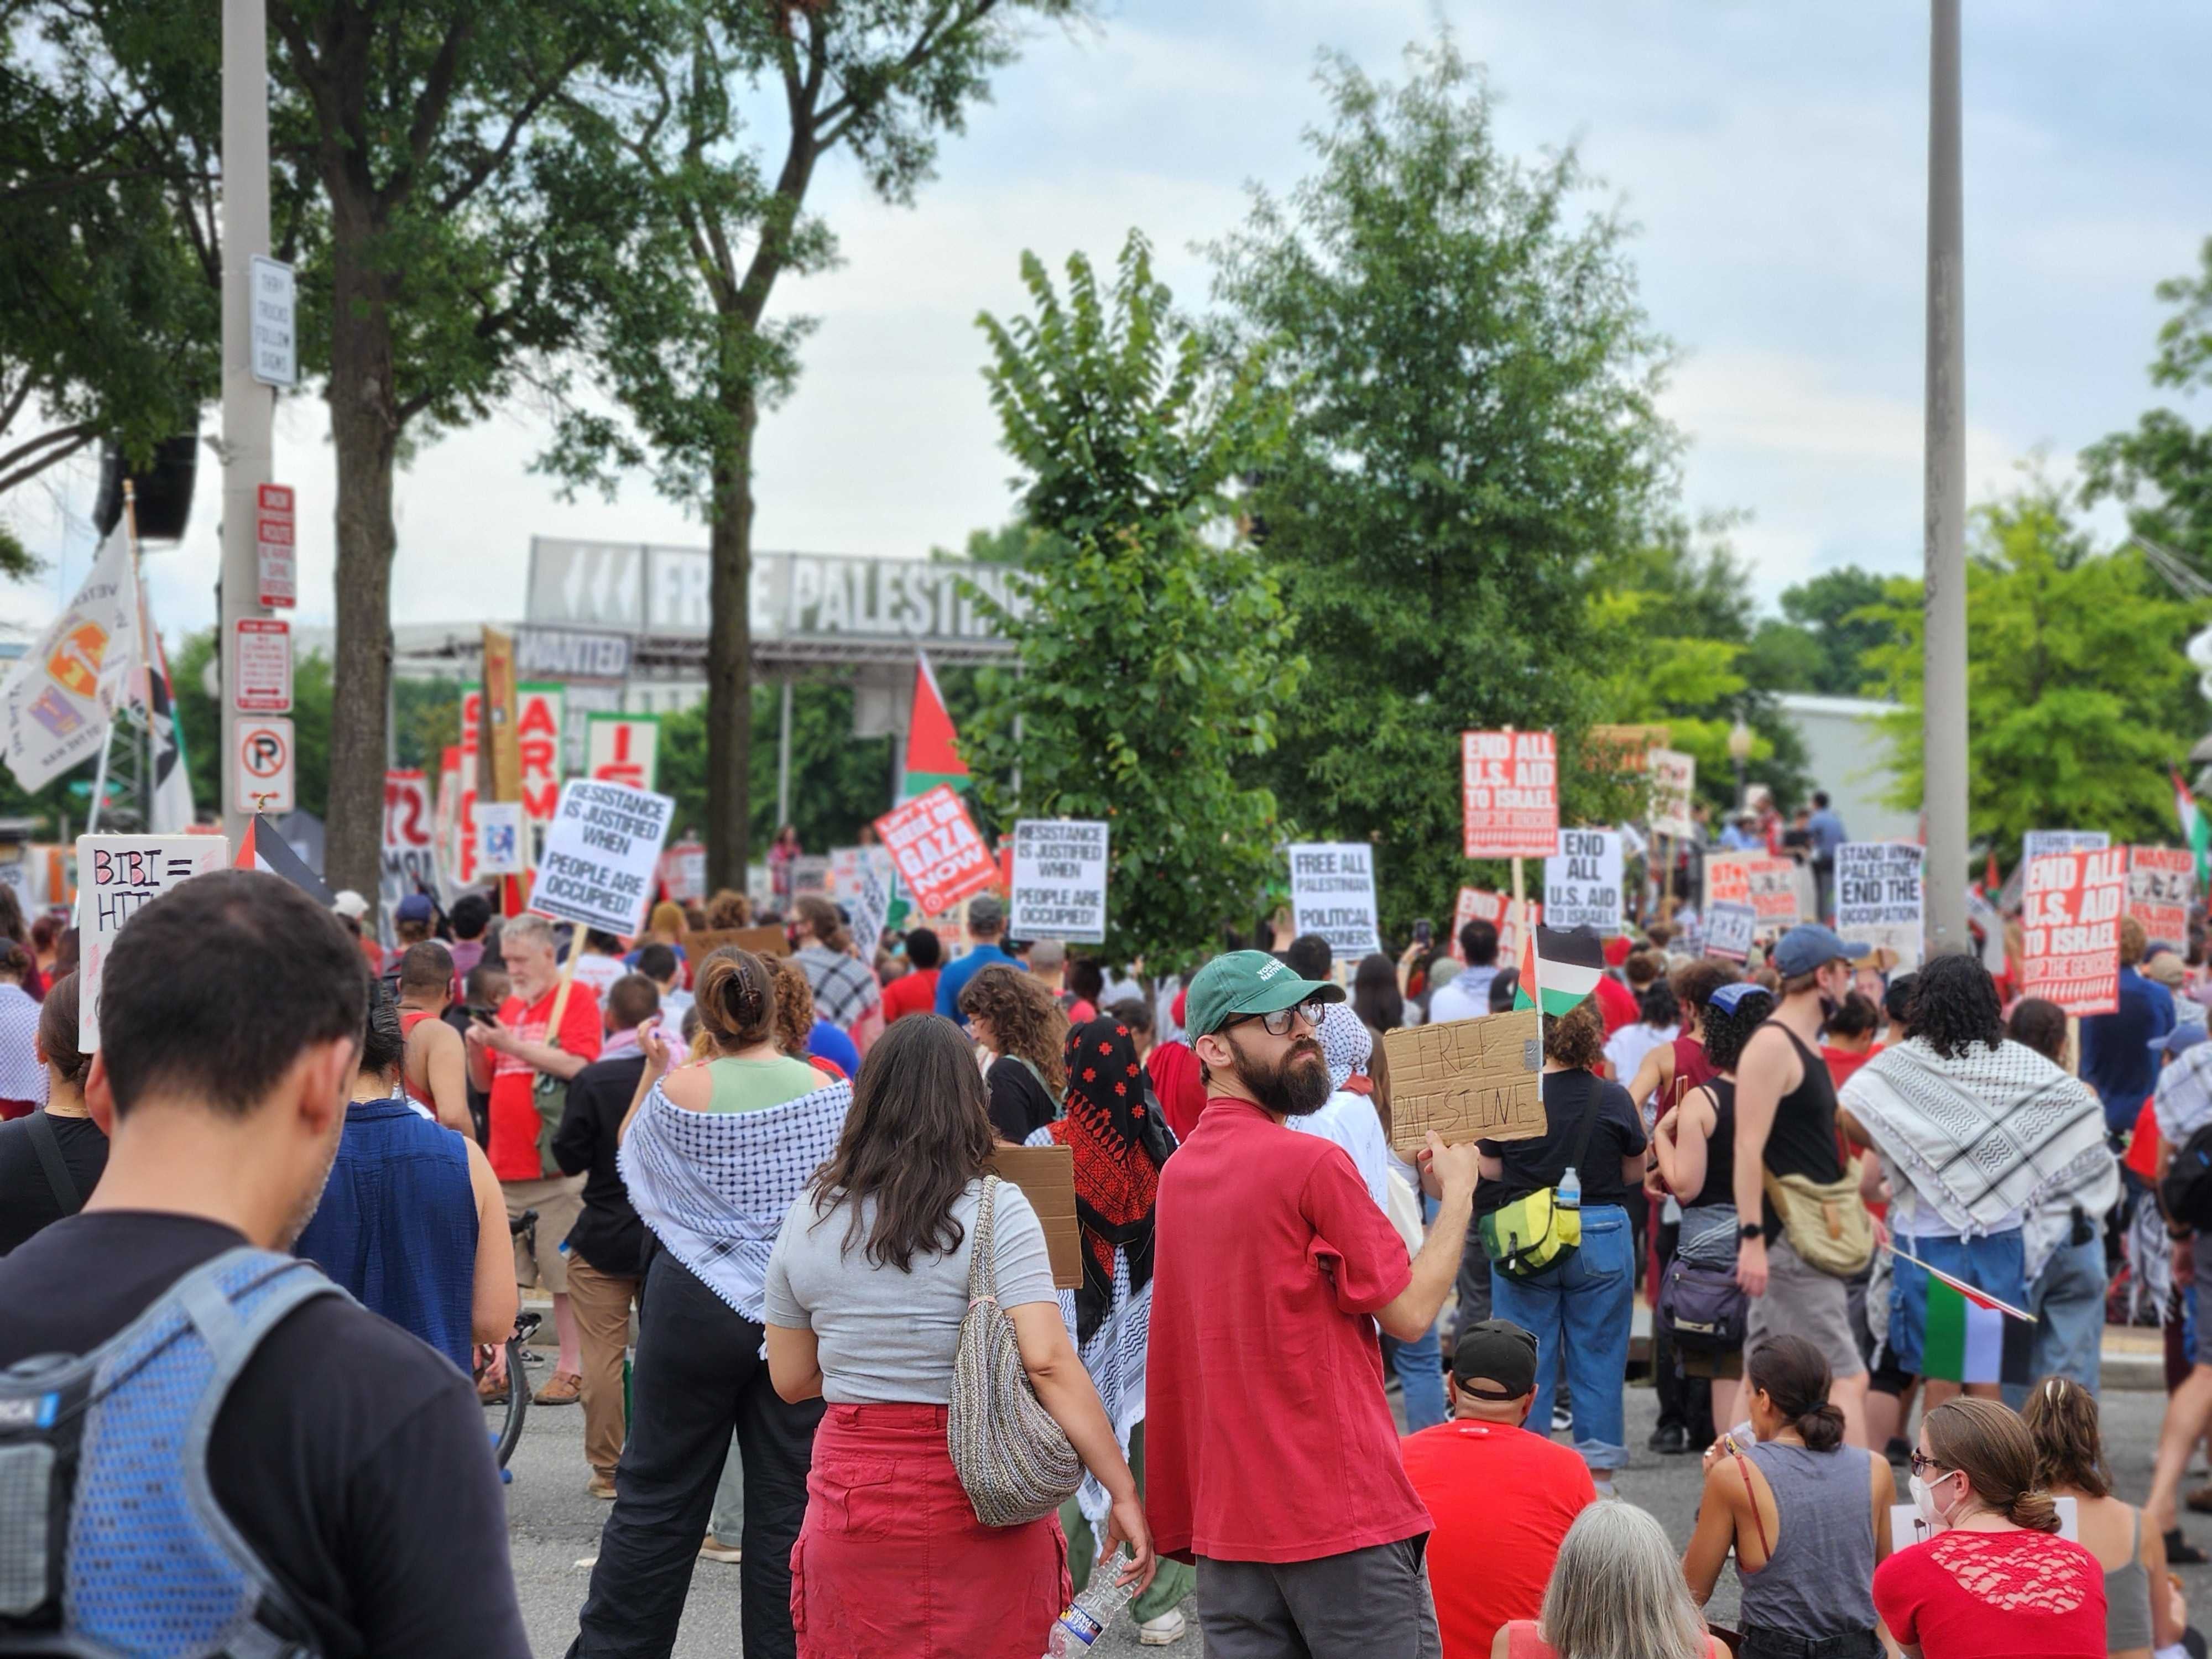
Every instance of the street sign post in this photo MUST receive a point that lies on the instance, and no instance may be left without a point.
(275, 310)
(266, 758)
(261, 667)
(275, 529)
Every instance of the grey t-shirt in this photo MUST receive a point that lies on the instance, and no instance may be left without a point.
(887, 1335)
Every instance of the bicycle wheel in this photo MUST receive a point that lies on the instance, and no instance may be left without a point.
(518, 1403)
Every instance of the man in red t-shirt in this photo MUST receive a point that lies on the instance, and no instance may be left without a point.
(504, 1060)
(1501, 1497)
(1271, 1458)
(915, 992)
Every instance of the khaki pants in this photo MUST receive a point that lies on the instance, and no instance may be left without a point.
(537, 1258)
(601, 1303)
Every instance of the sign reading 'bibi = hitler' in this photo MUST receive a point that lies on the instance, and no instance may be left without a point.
(1510, 790)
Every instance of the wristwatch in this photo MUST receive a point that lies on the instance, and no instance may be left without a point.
(1752, 1230)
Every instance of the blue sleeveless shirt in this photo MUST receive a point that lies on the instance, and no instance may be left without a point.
(397, 1223)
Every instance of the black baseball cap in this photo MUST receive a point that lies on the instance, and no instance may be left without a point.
(1496, 1351)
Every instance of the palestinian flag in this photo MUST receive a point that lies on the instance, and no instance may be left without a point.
(1969, 1335)
(264, 849)
(1565, 963)
(932, 756)
(2196, 829)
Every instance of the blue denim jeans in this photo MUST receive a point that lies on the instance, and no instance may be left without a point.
(2067, 1299)
(1579, 1309)
(1994, 1263)
(1420, 1368)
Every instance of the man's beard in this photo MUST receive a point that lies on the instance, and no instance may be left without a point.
(1296, 1087)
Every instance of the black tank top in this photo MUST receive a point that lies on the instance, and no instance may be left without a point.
(1720, 1150)
(1803, 1139)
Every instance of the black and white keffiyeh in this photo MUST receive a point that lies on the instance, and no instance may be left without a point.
(714, 1186)
(1984, 1138)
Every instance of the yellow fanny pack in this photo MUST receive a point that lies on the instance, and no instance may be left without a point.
(1528, 1234)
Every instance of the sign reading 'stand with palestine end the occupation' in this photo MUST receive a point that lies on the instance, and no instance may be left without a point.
(1333, 894)
(1878, 896)
(2070, 922)
(117, 876)
(1510, 794)
(602, 850)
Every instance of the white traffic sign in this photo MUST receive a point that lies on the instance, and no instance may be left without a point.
(261, 667)
(274, 304)
(265, 764)
(275, 531)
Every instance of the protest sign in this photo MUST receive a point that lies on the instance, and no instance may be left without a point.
(1673, 793)
(1581, 882)
(1060, 880)
(1770, 885)
(1729, 929)
(1046, 1176)
(1497, 909)
(410, 852)
(601, 851)
(2070, 923)
(683, 872)
(871, 907)
(1878, 896)
(934, 843)
(1510, 794)
(2161, 885)
(623, 749)
(2041, 843)
(499, 838)
(1468, 1079)
(117, 876)
(703, 942)
(1333, 894)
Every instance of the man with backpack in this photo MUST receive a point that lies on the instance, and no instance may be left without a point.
(344, 1498)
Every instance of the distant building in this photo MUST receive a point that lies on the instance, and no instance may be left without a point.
(1848, 755)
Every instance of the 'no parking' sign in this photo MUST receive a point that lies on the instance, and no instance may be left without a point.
(265, 764)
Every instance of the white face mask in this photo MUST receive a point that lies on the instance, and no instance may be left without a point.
(1924, 1499)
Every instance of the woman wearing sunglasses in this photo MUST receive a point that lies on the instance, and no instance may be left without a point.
(1995, 1577)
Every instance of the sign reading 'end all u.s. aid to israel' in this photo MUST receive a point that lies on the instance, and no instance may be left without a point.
(1510, 793)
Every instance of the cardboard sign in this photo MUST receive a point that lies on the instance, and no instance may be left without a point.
(1729, 929)
(1673, 793)
(275, 527)
(1046, 1176)
(768, 941)
(1622, 748)
(1770, 885)
(601, 852)
(1878, 896)
(1060, 880)
(2161, 886)
(940, 855)
(1468, 1079)
(410, 845)
(1476, 904)
(118, 876)
(2070, 921)
(1581, 882)
(623, 749)
(1510, 793)
(261, 665)
(1333, 894)
(267, 758)
(2041, 843)
(683, 872)
(498, 838)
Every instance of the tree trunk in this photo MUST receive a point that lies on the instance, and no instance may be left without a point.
(364, 431)
(729, 653)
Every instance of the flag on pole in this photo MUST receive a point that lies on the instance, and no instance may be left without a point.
(1562, 965)
(173, 783)
(56, 707)
(2196, 829)
(263, 847)
(933, 755)
(1970, 1336)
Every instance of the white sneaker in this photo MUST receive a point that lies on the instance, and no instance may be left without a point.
(1159, 1632)
(1605, 1487)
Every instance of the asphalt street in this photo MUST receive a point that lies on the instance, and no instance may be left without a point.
(555, 1527)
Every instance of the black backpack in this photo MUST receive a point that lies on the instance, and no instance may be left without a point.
(2185, 1195)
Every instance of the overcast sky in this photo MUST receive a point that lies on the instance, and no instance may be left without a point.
(1771, 156)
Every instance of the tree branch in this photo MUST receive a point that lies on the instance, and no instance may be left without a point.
(934, 32)
(430, 106)
(31, 469)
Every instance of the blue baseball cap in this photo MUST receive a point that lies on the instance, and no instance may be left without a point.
(1810, 947)
(2180, 1040)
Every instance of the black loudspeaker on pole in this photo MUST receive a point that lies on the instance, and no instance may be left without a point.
(164, 489)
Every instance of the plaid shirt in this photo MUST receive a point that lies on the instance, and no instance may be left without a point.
(844, 986)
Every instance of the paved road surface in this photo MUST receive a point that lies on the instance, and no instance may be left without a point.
(555, 1526)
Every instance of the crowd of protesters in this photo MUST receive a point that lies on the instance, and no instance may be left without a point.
(1312, 1392)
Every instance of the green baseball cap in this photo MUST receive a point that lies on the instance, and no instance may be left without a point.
(1248, 982)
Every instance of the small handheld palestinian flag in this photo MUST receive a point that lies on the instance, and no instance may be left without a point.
(1563, 964)
(1970, 1336)
(264, 849)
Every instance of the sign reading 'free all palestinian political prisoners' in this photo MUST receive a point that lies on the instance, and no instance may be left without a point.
(1333, 894)
(2070, 922)
(601, 852)
(1060, 880)
(1581, 882)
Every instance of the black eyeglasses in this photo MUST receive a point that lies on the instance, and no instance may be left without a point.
(1278, 1023)
(1922, 1462)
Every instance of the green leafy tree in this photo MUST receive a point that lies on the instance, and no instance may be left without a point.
(1828, 628)
(1473, 439)
(838, 781)
(1156, 650)
(2078, 695)
(683, 333)
(2161, 471)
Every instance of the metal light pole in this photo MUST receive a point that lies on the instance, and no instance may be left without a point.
(249, 408)
(1943, 710)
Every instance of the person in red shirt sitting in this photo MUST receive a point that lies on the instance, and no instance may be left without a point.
(1501, 1497)
(915, 992)
(1271, 1458)
(1996, 1579)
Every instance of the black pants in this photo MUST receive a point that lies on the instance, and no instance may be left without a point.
(1473, 1280)
(698, 1374)
(1685, 1402)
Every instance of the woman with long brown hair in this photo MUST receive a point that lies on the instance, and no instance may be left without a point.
(715, 1151)
(866, 1294)
(1024, 1030)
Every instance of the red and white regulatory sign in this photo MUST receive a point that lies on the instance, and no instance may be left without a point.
(275, 527)
(261, 667)
(265, 765)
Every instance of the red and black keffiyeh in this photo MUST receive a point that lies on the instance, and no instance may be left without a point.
(1119, 1142)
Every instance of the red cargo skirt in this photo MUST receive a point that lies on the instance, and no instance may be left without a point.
(892, 1560)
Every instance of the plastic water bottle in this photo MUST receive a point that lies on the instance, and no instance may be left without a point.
(1570, 1190)
(1086, 1620)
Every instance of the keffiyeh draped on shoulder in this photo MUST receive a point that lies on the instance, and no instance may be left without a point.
(1985, 1137)
(714, 1186)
